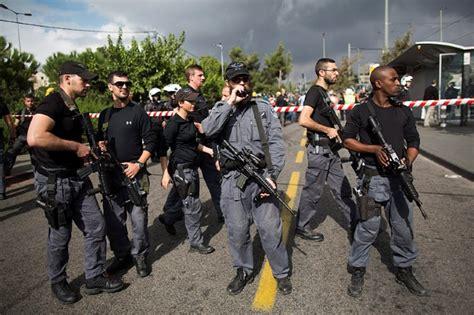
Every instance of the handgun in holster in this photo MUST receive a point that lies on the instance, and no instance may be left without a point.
(180, 182)
(57, 214)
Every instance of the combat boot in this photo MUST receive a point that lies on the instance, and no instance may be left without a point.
(64, 293)
(240, 281)
(405, 276)
(101, 284)
(357, 281)
(284, 285)
(142, 267)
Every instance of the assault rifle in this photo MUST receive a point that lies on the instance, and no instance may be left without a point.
(99, 165)
(251, 166)
(398, 167)
(336, 144)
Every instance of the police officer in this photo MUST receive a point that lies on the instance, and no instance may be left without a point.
(172, 208)
(181, 135)
(55, 135)
(324, 164)
(5, 114)
(378, 187)
(124, 127)
(21, 131)
(235, 121)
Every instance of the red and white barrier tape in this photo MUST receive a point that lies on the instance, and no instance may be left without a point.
(289, 109)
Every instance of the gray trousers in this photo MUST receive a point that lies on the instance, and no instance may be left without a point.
(324, 167)
(192, 209)
(399, 213)
(240, 211)
(173, 206)
(88, 218)
(115, 212)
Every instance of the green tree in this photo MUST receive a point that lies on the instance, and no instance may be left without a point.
(399, 46)
(213, 85)
(346, 76)
(16, 69)
(277, 67)
(252, 61)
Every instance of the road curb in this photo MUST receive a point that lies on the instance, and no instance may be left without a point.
(456, 169)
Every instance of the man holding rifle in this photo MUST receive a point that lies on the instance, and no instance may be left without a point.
(245, 123)
(324, 163)
(383, 131)
(124, 127)
(55, 136)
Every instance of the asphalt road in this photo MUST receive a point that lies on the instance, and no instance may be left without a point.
(183, 282)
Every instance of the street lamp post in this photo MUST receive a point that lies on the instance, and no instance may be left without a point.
(324, 44)
(17, 24)
(222, 59)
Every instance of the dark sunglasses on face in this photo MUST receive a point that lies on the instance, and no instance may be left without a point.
(120, 84)
(239, 79)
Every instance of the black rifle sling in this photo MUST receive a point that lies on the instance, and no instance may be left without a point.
(263, 136)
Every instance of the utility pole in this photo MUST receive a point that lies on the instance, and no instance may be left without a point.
(324, 45)
(17, 24)
(222, 59)
(440, 25)
(349, 58)
(386, 27)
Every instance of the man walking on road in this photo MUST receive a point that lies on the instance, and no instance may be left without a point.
(324, 163)
(235, 120)
(55, 136)
(379, 187)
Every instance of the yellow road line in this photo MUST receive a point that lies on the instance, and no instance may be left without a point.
(303, 142)
(267, 288)
(299, 157)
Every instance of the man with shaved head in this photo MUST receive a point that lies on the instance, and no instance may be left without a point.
(378, 187)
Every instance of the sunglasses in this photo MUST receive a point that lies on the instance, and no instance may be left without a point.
(239, 79)
(121, 84)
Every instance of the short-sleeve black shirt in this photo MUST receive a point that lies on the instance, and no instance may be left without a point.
(67, 125)
(316, 97)
(180, 135)
(397, 123)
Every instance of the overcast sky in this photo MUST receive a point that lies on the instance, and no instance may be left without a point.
(255, 25)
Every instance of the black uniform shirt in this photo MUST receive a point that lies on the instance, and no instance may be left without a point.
(397, 123)
(201, 110)
(180, 135)
(315, 97)
(126, 128)
(67, 125)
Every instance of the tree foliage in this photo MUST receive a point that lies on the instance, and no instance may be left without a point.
(346, 76)
(399, 46)
(16, 69)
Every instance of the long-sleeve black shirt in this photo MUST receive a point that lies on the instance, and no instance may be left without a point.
(180, 135)
(127, 130)
(397, 123)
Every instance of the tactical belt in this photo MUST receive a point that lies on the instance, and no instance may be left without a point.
(59, 173)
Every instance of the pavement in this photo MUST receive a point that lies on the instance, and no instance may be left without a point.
(183, 282)
(452, 147)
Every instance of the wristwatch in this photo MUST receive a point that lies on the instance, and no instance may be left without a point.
(140, 164)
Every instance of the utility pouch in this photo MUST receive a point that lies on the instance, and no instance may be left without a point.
(368, 208)
(241, 182)
(180, 182)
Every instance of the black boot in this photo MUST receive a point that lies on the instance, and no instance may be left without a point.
(405, 276)
(120, 264)
(357, 281)
(238, 283)
(101, 284)
(201, 249)
(142, 267)
(309, 235)
(64, 293)
(284, 285)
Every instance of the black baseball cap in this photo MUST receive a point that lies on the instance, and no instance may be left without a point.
(186, 94)
(235, 69)
(73, 67)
